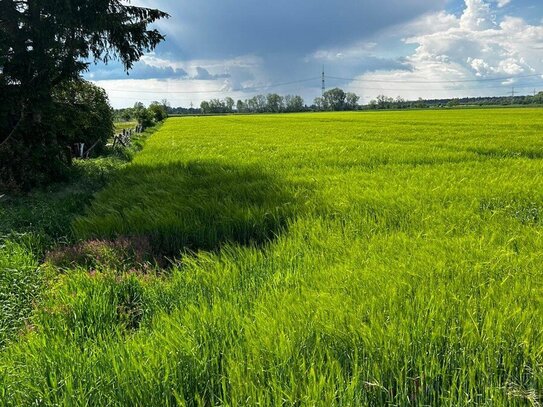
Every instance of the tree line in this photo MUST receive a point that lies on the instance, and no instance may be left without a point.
(271, 103)
(332, 100)
(146, 116)
(383, 102)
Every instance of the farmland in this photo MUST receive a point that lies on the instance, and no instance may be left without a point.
(309, 259)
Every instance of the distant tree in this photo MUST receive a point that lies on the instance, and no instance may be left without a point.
(261, 103)
(420, 104)
(384, 102)
(400, 103)
(229, 102)
(294, 103)
(166, 106)
(453, 103)
(158, 111)
(217, 106)
(334, 99)
(351, 101)
(240, 106)
(274, 103)
(126, 115)
(206, 109)
(44, 44)
(252, 105)
(320, 103)
(143, 115)
(257, 104)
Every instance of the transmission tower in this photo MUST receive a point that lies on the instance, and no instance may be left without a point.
(323, 82)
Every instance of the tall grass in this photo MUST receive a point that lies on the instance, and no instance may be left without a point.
(333, 259)
(20, 280)
(33, 224)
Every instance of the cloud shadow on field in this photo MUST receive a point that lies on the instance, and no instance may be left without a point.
(194, 206)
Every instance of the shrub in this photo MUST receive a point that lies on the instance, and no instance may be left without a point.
(79, 112)
(84, 114)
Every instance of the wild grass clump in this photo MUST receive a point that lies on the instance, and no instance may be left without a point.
(20, 280)
(37, 225)
(123, 254)
(337, 259)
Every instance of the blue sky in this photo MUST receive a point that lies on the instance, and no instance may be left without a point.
(407, 48)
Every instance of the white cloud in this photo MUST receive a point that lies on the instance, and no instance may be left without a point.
(447, 49)
(503, 3)
(215, 67)
(477, 16)
(205, 79)
(126, 92)
(358, 50)
(472, 46)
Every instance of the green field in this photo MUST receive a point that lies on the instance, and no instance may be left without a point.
(120, 126)
(331, 259)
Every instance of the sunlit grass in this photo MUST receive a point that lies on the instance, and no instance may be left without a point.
(120, 126)
(322, 259)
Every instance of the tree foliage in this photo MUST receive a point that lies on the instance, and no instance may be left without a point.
(43, 45)
(84, 114)
(270, 103)
(158, 111)
(334, 99)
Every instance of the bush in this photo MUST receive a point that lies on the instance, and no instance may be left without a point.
(158, 112)
(143, 115)
(77, 112)
(84, 114)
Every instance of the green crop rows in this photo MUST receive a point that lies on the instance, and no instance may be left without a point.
(301, 260)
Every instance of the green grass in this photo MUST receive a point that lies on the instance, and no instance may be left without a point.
(120, 126)
(30, 226)
(389, 258)
(34, 224)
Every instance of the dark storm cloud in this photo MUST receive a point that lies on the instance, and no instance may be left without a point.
(226, 28)
(140, 71)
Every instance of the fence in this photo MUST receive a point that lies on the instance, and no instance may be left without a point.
(124, 139)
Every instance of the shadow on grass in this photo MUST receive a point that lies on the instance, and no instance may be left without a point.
(195, 206)
(42, 218)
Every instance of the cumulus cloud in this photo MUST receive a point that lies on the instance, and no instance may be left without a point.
(502, 3)
(395, 47)
(473, 46)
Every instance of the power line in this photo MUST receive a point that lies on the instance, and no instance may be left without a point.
(247, 89)
(442, 89)
(433, 82)
(323, 86)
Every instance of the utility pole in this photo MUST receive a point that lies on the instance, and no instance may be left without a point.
(323, 81)
(513, 95)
